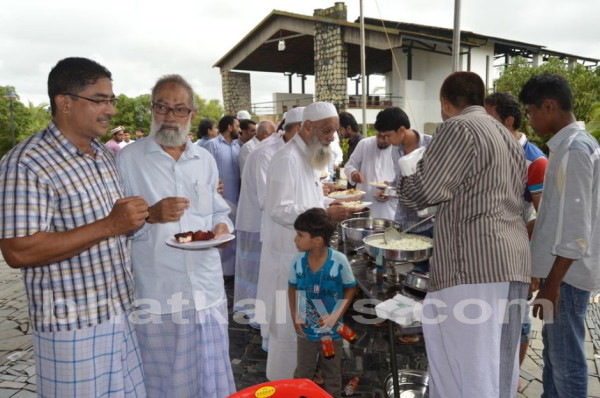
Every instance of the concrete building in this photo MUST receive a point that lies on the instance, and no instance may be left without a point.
(414, 59)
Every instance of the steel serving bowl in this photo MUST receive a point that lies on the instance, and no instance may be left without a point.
(396, 254)
(354, 230)
(411, 383)
(417, 280)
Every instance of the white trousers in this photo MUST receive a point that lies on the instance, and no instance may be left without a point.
(471, 336)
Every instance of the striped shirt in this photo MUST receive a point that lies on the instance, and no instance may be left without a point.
(475, 171)
(48, 185)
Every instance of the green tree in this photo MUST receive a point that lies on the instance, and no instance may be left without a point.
(23, 122)
(132, 113)
(585, 83)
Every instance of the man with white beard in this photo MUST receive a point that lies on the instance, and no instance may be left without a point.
(182, 325)
(293, 187)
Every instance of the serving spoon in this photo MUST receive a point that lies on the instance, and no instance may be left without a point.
(392, 234)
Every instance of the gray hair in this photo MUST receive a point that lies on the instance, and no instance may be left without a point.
(177, 79)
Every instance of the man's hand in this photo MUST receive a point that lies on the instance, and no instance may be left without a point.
(338, 212)
(221, 229)
(328, 188)
(168, 210)
(128, 214)
(220, 187)
(549, 293)
(356, 177)
(298, 324)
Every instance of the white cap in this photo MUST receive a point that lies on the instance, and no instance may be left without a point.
(117, 129)
(243, 115)
(294, 115)
(319, 111)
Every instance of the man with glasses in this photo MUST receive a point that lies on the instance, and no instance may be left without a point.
(183, 308)
(63, 220)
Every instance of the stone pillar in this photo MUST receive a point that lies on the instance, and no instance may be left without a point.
(236, 92)
(331, 58)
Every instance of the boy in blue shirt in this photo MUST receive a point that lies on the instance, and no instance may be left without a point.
(321, 288)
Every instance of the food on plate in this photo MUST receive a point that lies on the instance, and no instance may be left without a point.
(189, 236)
(408, 242)
(202, 235)
(356, 205)
(378, 183)
(347, 192)
(184, 237)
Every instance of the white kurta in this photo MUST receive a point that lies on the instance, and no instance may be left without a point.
(376, 165)
(245, 152)
(293, 187)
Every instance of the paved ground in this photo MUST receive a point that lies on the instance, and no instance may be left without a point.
(367, 358)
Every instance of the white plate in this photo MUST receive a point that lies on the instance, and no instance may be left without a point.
(199, 244)
(362, 206)
(378, 185)
(341, 195)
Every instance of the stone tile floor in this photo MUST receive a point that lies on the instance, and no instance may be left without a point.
(367, 358)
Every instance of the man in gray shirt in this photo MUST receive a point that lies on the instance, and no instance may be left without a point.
(564, 248)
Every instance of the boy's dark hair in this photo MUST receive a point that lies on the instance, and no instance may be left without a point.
(547, 86)
(506, 105)
(72, 75)
(316, 222)
(463, 89)
(225, 122)
(245, 123)
(347, 119)
(391, 119)
(205, 125)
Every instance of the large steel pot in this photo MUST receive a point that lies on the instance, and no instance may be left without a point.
(354, 230)
(394, 254)
(412, 383)
(417, 280)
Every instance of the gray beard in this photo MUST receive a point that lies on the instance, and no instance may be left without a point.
(168, 137)
(319, 154)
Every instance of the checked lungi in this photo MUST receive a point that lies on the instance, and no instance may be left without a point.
(186, 354)
(97, 361)
(247, 264)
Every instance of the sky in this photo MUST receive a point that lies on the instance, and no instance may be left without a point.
(139, 41)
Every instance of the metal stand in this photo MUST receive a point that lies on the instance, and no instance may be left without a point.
(393, 364)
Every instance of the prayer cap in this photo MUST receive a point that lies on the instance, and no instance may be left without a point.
(319, 111)
(243, 115)
(294, 115)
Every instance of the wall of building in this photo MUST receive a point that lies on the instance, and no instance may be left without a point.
(331, 58)
(236, 91)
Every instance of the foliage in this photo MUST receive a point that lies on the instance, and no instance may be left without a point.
(26, 120)
(594, 125)
(585, 83)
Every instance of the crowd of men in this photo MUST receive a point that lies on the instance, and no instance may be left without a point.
(117, 312)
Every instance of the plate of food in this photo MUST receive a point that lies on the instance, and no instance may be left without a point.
(324, 175)
(197, 240)
(356, 205)
(377, 184)
(345, 194)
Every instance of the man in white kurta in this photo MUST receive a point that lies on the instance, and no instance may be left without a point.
(293, 187)
(182, 326)
(374, 160)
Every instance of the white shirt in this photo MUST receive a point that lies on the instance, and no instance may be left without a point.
(162, 272)
(245, 151)
(254, 184)
(123, 144)
(376, 165)
(293, 187)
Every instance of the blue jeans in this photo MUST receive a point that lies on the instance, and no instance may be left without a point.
(565, 367)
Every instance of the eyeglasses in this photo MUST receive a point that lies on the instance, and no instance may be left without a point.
(105, 102)
(180, 111)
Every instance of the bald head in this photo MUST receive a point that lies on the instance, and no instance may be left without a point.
(265, 128)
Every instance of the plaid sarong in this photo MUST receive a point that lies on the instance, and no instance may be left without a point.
(247, 264)
(97, 361)
(186, 354)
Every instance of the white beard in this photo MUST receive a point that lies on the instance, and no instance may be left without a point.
(319, 154)
(170, 137)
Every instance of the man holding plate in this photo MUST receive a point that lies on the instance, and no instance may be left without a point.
(182, 320)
